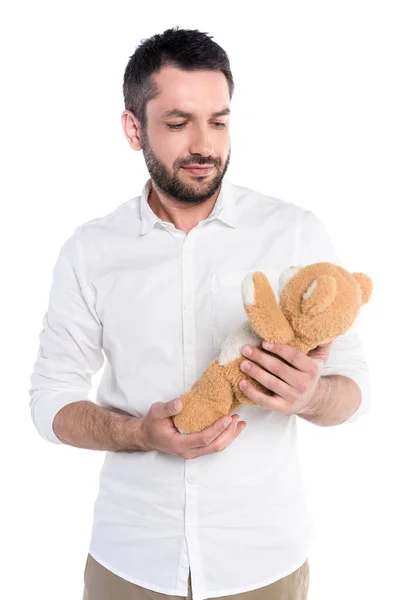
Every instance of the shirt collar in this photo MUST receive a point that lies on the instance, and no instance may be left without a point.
(224, 208)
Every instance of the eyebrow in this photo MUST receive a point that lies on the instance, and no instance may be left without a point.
(175, 112)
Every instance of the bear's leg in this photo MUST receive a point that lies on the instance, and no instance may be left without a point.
(209, 399)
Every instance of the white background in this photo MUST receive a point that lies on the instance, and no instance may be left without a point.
(315, 121)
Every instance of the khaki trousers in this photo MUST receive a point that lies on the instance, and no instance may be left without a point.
(101, 584)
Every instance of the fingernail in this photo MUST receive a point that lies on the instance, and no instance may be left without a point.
(267, 345)
(227, 422)
(247, 350)
(245, 365)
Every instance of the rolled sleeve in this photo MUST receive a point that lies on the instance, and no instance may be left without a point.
(347, 352)
(347, 358)
(70, 349)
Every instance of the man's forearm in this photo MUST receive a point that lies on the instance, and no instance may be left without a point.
(84, 424)
(336, 399)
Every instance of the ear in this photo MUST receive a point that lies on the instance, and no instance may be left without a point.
(132, 129)
(365, 284)
(319, 295)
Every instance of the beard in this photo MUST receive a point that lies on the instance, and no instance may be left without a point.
(173, 187)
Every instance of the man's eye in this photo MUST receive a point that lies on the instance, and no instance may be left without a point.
(219, 125)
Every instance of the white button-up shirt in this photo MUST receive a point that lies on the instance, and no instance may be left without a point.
(159, 303)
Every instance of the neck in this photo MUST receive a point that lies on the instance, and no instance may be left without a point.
(183, 215)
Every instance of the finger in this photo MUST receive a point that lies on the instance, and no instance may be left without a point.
(275, 403)
(225, 439)
(222, 441)
(293, 356)
(271, 365)
(162, 410)
(320, 353)
(274, 365)
(239, 428)
(271, 382)
(205, 437)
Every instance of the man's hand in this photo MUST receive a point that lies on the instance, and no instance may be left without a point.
(293, 384)
(158, 432)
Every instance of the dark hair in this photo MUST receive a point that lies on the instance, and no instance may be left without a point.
(187, 49)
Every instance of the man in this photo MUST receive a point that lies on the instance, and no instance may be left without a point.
(156, 285)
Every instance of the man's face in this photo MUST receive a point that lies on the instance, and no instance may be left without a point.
(199, 137)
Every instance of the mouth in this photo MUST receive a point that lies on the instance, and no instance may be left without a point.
(199, 170)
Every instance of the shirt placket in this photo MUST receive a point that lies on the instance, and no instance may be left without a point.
(189, 356)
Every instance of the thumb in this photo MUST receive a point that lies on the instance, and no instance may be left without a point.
(321, 353)
(173, 407)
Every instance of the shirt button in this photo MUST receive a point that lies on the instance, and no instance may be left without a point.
(190, 478)
(189, 363)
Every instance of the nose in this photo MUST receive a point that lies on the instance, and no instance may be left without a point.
(200, 142)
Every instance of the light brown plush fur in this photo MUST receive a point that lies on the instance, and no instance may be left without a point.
(318, 303)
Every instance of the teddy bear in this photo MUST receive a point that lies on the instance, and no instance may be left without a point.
(317, 303)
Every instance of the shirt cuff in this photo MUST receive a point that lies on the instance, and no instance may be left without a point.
(45, 409)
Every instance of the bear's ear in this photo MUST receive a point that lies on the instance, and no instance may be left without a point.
(365, 284)
(319, 295)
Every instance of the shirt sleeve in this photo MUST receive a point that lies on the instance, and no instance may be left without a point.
(70, 349)
(347, 355)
